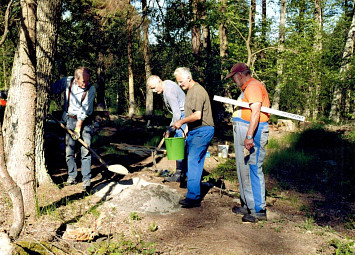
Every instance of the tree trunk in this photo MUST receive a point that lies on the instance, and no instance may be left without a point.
(132, 103)
(223, 50)
(19, 121)
(195, 28)
(317, 46)
(14, 193)
(281, 48)
(263, 22)
(100, 91)
(334, 114)
(253, 14)
(250, 35)
(45, 50)
(148, 72)
(223, 40)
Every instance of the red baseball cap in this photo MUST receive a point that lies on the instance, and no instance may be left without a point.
(237, 68)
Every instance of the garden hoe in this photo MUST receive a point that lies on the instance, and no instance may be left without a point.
(119, 169)
(154, 152)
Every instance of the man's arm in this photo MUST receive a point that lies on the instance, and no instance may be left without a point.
(193, 117)
(254, 121)
(174, 105)
(59, 86)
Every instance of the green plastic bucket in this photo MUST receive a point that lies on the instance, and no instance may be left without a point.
(175, 148)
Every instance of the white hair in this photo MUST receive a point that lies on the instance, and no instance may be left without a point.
(184, 71)
(153, 79)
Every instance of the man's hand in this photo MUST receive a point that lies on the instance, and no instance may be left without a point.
(178, 124)
(76, 134)
(248, 143)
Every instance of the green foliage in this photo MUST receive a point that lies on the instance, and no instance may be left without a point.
(351, 136)
(226, 170)
(153, 227)
(135, 216)
(36, 247)
(313, 160)
(349, 221)
(123, 246)
(342, 247)
(308, 224)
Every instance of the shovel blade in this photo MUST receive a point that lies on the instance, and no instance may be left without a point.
(119, 169)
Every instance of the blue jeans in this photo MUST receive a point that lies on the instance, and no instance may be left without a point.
(249, 168)
(86, 135)
(196, 147)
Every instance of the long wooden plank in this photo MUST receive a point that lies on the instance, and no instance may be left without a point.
(263, 109)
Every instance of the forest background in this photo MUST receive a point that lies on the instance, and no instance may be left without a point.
(307, 65)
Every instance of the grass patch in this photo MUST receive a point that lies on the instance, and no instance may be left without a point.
(226, 170)
(123, 246)
(134, 216)
(342, 247)
(314, 160)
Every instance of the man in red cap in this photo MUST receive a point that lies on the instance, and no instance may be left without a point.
(250, 131)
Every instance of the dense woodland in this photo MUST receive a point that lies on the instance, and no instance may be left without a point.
(301, 50)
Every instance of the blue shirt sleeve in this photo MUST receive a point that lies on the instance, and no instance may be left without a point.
(60, 85)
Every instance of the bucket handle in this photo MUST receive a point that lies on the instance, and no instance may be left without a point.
(171, 129)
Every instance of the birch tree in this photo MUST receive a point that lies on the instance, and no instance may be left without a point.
(281, 49)
(19, 119)
(6, 180)
(348, 53)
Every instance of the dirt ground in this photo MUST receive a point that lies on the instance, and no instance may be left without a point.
(141, 207)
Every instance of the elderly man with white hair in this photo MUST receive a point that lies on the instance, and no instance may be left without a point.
(199, 120)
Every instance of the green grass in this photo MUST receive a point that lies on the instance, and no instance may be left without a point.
(342, 247)
(134, 216)
(123, 245)
(226, 170)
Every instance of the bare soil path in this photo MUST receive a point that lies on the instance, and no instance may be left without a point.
(142, 208)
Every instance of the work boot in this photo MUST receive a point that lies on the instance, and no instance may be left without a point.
(240, 210)
(255, 217)
(190, 203)
(176, 177)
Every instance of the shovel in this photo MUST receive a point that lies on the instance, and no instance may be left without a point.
(154, 152)
(119, 169)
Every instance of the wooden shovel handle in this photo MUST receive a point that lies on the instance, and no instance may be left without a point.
(80, 141)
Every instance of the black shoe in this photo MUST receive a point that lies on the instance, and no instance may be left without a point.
(240, 210)
(173, 178)
(255, 217)
(183, 184)
(190, 203)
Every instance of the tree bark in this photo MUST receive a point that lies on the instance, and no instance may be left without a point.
(281, 48)
(195, 29)
(223, 39)
(14, 192)
(132, 104)
(48, 12)
(253, 14)
(148, 72)
(348, 52)
(100, 91)
(263, 21)
(19, 121)
(317, 46)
